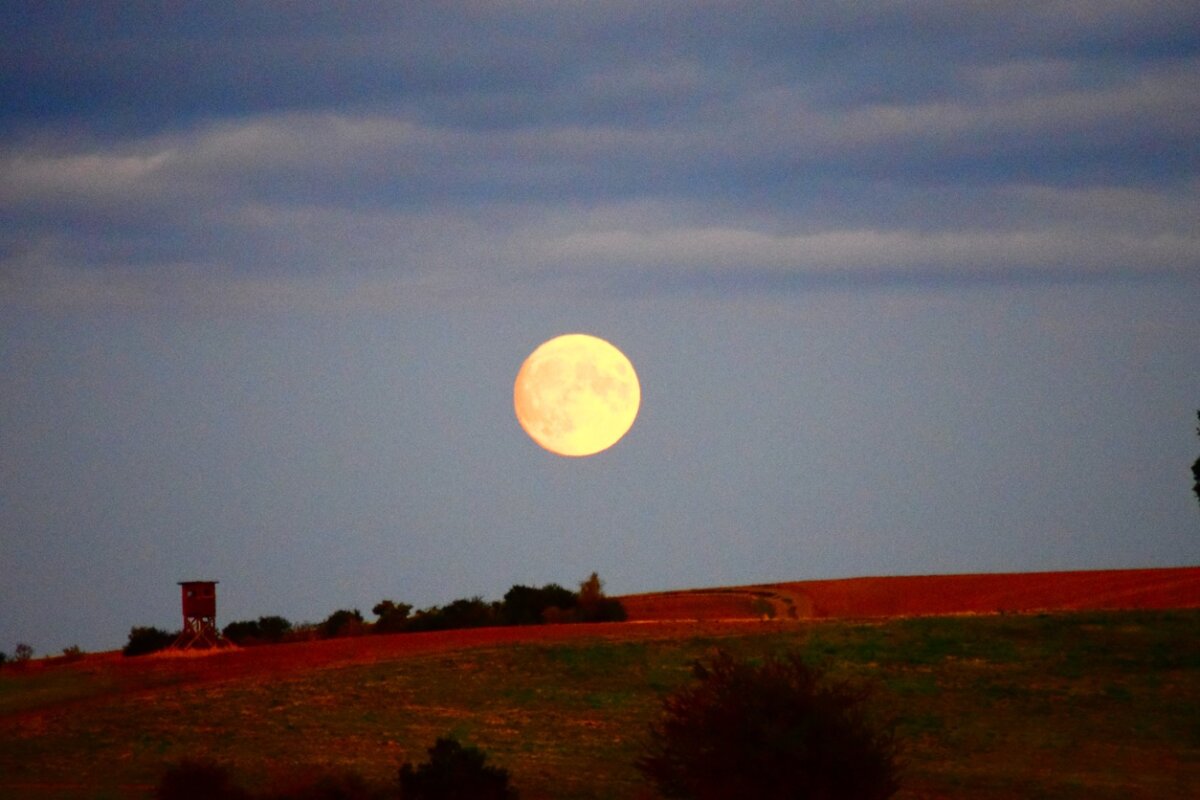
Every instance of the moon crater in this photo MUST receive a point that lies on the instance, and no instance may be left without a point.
(576, 395)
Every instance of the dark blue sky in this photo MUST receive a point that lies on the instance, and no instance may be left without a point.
(908, 292)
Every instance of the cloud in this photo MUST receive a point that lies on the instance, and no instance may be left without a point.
(456, 151)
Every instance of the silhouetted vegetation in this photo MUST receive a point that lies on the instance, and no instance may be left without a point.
(342, 623)
(393, 616)
(145, 640)
(473, 612)
(264, 630)
(455, 772)
(22, 653)
(779, 729)
(1196, 467)
(525, 605)
(198, 779)
(339, 785)
(594, 606)
(522, 605)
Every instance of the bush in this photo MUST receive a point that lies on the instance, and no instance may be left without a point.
(775, 730)
(242, 632)
(454, 772)
(342, 623)
(341, 785)
(525, 605)
(147, 640)
(72, 653)
(193, 779)
(264, 630)
(393, 616)
(462, 613)
(203, 779)
(594, 606)
(273, 628)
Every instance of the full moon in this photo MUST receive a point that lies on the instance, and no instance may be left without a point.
(576, 395)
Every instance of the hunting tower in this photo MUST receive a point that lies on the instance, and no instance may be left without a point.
(199, 617)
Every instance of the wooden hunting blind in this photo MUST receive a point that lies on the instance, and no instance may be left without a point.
(199, 616)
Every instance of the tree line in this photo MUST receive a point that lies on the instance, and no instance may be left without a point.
(521, 605)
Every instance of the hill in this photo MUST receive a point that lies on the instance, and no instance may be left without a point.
(928, 595)
(989, 705)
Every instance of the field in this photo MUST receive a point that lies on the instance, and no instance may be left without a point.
(1069, 704)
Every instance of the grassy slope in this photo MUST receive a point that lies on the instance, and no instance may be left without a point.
(1094, 704)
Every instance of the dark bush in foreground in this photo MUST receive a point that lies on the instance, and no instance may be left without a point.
(147, 640)
(770, 731)
(330, 786)
(206, 780)
(454, 772)
(198, 780)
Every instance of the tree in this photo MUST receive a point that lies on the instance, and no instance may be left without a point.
(143, 640)
(273, 628)
(473, 612)
(525, 605)
(594, 606)
(1196, 467)
(393, 616)
(455, 772)
(264, 630)
(342, 623)
(22, 653)
(770, 731)
(242, 632)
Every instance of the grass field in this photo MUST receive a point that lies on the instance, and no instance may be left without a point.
(1075, 705)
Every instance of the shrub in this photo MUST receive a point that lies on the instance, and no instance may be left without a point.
(393, 616)
(3, 657)
(775, 730)
(72, 653)
(147, 640)
(594, 606)
(273, 628)
(242, 632)
(525, 605)
(264, 630)
(193, 779)
(474, 612)
(454, 772)
(341, 785)
(342, 623)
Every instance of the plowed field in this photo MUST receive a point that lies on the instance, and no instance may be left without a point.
(929, 595)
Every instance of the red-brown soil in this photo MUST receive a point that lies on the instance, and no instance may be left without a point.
(695, 612)
(924, 595)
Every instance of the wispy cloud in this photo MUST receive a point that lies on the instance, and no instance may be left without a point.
(805, 142)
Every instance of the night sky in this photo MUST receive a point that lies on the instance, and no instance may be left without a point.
(909, 291)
